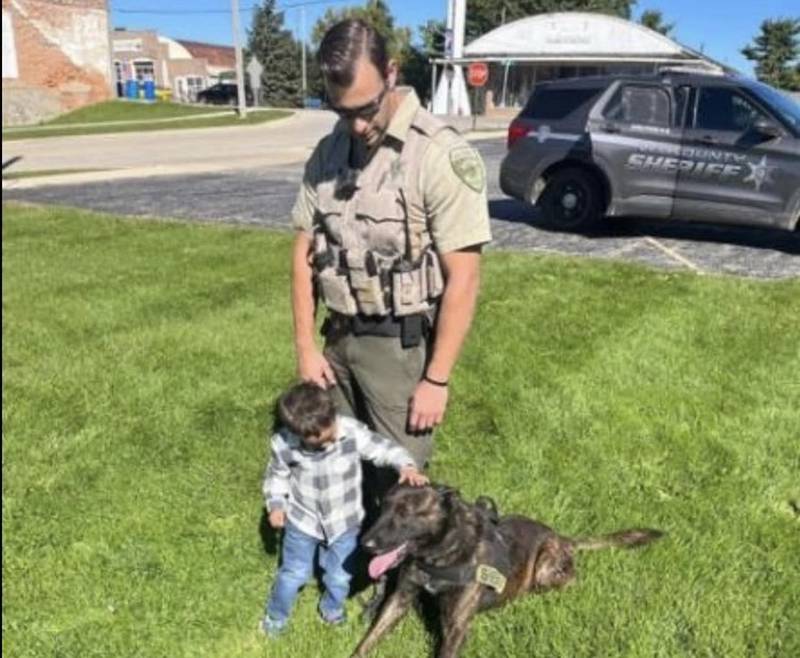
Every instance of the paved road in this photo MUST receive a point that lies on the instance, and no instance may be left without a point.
(263, 196)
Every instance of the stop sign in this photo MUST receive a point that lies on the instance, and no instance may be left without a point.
(477, 74)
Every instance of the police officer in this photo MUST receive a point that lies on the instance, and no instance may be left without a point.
(390, 220)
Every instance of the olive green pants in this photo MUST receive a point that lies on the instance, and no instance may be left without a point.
(375, 380)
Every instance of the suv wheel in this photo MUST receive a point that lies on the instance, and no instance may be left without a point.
(572, 200)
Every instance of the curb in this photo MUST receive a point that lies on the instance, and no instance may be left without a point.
(479, 135)
(288, 156)
(264, 124)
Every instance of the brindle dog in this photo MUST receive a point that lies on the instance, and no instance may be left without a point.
(467, 557)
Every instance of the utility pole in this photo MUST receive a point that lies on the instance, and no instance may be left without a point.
(239, 62)
(303, 43)
(112, 69)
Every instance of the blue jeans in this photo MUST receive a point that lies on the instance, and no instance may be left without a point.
(297, 567)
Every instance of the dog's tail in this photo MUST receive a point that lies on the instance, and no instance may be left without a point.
(631, 538)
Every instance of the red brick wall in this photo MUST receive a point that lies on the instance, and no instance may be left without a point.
(62, 56)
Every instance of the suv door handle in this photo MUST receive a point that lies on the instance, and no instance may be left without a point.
(707, 139)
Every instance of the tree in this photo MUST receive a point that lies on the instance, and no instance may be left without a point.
(776, 52)
(416, 72)
(279, 54)
(654, 19)
(485, 15)
(433, 37)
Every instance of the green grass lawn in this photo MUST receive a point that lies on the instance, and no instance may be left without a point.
(119, 110)
(147, 124)
(140, 361)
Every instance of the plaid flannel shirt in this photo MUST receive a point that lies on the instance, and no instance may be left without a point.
(321, 491)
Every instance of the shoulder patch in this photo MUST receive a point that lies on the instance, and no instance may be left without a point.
(468, 166)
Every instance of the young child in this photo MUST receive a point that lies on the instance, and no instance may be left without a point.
(312, 489)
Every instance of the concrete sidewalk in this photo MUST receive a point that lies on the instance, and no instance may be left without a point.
(173, 152)
(228, 145)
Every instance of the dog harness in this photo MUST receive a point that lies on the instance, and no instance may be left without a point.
(492, 572)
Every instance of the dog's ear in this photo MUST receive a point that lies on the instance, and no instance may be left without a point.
(448, 495)
(488, 506)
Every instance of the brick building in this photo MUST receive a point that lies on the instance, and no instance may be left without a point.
(56, 57)
(185, 67)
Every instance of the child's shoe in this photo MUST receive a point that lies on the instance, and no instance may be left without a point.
(336, 618)
(272, 628)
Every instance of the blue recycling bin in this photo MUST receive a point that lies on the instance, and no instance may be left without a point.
(149, 90)
(131, 89)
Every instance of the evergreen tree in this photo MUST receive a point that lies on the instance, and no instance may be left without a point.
(654, 19)
(432, 34)
(279, 54)
(776, 52)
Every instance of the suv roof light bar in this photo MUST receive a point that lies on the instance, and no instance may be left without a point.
(699, 70)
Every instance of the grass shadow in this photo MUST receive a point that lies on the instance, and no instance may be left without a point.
(270, 537)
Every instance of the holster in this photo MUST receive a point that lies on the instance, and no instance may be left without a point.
(412, 328)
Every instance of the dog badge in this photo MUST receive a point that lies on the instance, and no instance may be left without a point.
(491, 577)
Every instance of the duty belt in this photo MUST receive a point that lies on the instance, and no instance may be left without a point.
(410, 328)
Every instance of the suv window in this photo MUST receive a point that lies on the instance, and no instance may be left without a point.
(639, 104)
(720, 108)
(554, 104)
(787, 108)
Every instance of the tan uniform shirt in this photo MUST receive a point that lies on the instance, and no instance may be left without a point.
(452, 181)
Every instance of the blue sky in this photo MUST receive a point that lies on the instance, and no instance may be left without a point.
(720, 27)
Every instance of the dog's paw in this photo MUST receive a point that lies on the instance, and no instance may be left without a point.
(370, 607)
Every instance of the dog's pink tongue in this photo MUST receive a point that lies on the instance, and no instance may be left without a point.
(380, 564)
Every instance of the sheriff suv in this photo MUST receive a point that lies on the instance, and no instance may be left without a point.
(674, 145)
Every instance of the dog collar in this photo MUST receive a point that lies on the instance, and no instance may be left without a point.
(465, 574)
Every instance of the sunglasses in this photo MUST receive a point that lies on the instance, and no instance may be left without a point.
(365, 112)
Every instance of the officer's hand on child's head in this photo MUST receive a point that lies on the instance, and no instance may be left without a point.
(410, 475)
(277, 518)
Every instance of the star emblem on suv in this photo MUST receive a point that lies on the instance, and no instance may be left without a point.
(760, 173)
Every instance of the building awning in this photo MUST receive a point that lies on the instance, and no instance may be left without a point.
(573, 38)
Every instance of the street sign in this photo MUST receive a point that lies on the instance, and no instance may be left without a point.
(477, 74)
(254, 70)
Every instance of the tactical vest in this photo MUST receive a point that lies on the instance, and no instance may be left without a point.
(371, 255)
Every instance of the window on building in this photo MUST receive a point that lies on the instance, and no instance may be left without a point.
(639, 104)
(144, 70)
(189, 86)
(194, 84)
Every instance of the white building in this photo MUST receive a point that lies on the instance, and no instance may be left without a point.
(568, 44)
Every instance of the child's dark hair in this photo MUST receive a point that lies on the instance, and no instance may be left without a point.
(306, 409)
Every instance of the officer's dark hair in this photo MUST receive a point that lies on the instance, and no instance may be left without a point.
(306, 409)
(342, 46)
